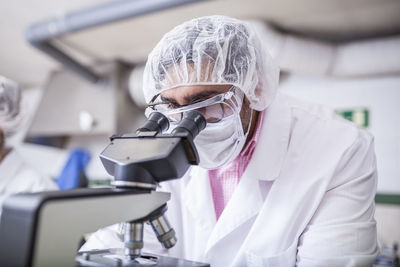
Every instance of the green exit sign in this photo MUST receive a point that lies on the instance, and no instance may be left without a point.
(359, 116)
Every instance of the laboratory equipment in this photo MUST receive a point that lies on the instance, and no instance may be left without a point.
(43, 229)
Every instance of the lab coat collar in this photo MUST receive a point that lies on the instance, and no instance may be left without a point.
(265, 165)
(9, 168)
(270, 151)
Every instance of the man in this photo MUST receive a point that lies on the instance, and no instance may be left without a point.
(15, 175)
(280, 182)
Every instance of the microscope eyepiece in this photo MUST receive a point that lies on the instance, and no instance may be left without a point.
(193, 123)
(157, 122)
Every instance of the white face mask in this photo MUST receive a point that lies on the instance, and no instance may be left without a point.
(223, 138)
(221, 142)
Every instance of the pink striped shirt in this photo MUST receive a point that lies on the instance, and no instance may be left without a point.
(224, 180)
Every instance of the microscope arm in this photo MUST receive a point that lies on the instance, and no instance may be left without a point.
(44, 229)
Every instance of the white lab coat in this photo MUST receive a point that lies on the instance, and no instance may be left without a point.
(305, 199)
(17, 177)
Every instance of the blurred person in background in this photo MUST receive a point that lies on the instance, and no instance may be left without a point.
(16, 175)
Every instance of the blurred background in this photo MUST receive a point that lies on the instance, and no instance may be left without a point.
(80, 65)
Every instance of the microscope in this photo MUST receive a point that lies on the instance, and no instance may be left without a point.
(44, 229)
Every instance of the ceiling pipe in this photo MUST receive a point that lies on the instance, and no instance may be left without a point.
(40, 34)
(378, 56)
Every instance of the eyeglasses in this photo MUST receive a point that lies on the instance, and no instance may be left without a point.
(214, 109)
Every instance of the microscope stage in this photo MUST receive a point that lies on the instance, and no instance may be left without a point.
(115, 257)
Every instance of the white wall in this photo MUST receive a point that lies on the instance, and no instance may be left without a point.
(388, 218)
(381, 95)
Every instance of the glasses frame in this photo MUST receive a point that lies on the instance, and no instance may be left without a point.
(222, 99)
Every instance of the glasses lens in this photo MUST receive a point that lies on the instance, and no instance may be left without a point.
(215, 112)
(212, 112)
(166, 110)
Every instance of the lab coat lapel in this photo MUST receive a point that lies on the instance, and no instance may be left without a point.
(198, 200)
(237, 211)
(270, 151)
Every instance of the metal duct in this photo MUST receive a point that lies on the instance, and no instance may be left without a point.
(357, 58)
(41, 34)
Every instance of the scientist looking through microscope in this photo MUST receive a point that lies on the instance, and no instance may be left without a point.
(280, 182)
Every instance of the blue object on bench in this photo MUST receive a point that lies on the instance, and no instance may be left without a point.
(73, 174)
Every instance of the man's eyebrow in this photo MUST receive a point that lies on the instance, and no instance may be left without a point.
(167, 99)
(201, 95)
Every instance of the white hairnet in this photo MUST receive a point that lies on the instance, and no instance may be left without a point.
(209, 51)
(10, 97)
